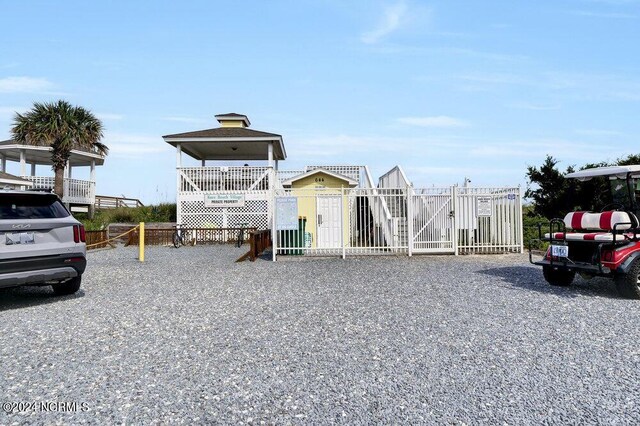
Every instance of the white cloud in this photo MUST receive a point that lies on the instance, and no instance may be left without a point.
(575, 151)
(134, 145)
(571, 85)
(9, 112)
(614, 15)
(109, 116)
(535, 107)
(24, 85)
(437, 121)
(184, 119)
(391, 21)
(614, 2)
(599, 132)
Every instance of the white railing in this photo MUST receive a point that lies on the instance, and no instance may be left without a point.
(284, 175)
(394, 178)
(76, 191)
(207, 179)
(381, 214)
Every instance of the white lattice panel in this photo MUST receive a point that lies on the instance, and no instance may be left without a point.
(255, 213)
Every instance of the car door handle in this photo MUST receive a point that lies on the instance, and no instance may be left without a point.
(319, 219)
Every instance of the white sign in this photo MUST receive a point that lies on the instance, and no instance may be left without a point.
(286, 213)
(484, 205)
(224, 200)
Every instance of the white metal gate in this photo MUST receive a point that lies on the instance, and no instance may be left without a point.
(432, 214)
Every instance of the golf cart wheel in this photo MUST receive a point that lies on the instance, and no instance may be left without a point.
(558, 277)
(628, 284)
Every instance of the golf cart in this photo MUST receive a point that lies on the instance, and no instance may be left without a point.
(604, 244)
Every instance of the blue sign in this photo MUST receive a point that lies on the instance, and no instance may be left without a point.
(286, 213)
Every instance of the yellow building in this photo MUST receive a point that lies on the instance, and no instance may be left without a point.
(322, 201)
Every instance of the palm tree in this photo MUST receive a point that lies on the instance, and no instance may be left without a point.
(63, 127)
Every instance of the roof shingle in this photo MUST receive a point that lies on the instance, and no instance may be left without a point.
(225, 132)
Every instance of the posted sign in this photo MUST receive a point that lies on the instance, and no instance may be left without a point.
(224, 200)
(484, 206)
(286, 213)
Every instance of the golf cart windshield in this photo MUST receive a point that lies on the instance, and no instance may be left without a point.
(619, 192)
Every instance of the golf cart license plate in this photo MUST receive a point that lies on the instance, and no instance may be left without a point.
(19, 238)
(560, 251)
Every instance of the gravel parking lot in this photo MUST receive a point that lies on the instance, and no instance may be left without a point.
(189, 336)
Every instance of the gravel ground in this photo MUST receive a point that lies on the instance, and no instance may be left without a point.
(189, 336)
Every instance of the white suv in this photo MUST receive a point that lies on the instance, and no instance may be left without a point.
(40, 242)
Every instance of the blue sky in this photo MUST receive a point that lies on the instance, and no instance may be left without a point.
(447, 89)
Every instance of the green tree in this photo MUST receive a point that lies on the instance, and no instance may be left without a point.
(63, 127)
(548, 189)
(554, 196)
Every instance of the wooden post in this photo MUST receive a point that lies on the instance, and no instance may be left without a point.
(141, 243)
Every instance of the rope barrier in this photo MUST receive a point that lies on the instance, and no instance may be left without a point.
(114, 238)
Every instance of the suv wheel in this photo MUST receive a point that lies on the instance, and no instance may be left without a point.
(628, 284)
(558, 277)
(67, 287)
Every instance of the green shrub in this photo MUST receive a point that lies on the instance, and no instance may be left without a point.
(530, 230)
(164, 212)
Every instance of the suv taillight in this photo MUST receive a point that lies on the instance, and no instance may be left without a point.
(78, 234)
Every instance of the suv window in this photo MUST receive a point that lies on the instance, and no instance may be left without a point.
(31, 206)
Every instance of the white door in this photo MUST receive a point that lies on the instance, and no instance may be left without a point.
(329, 222)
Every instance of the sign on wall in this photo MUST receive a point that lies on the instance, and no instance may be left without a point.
(224, 200)
(484, 205)
(286, 213)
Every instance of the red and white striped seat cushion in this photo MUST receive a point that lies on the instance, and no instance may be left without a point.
(592, 236)
(597, 221)
(578, 236)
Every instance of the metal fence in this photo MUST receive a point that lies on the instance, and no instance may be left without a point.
(369, 221)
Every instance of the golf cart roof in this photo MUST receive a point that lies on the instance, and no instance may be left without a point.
(613, 172)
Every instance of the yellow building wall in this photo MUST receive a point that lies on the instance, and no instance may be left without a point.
(308, 189)
(231, 123)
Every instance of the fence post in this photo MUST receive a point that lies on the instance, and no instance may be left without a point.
(520, 220)
(141, 243)
(343, 227)
(274, 233)
(409, 212)
(454, 230)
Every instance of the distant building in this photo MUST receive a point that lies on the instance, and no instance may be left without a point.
(8, 181)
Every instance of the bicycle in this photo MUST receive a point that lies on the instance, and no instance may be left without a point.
(178, 237)
(241, 234)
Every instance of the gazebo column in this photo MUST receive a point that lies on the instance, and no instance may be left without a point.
(23, 163)
(33, 169)
(3, 163)
(178, 177)
(92, 186)
(204, 163)
(65, 192)
(270, 157)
